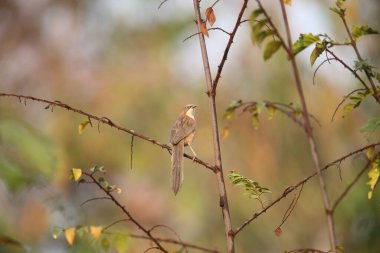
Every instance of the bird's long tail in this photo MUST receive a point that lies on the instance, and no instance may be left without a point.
(177, 166)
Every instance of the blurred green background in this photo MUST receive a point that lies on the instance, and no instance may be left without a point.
(126, 60)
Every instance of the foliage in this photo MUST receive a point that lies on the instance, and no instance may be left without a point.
(359, 31)
(373, 175)
(252, 188)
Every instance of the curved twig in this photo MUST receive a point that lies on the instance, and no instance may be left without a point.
(319, 66)
(343, 100)
(209, 29)
(114, 223)
(92, 199)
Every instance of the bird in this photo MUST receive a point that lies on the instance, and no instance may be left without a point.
(181, 135)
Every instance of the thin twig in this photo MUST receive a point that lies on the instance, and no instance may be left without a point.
(108, 122)
(310, 135)
(162, 3)
(353, 44)
(171, 230)
(92, 199)
(348, 188)
(341, 102)
(303, 181)
(113, 224)
(348, 67)
(132, 139)
(126, 212)
(229, 44)
(209, 29)
(291, 207)
(320, 65)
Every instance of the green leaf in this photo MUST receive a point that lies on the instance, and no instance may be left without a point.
(105, 244)
(57, 231)
(254, 15)
(304, 41)
(120, 243)
(261, 36)
(318, 50)
(271, 48)
(231, 109)
(359, 31)
(255, 121)
(370, 126)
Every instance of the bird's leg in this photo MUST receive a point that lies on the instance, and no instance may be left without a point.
(192, 150)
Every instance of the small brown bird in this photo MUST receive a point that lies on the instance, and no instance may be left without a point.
(182, 134)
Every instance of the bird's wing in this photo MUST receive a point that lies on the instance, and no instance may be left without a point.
(181, 129)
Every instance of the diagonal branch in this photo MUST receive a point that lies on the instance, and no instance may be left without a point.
(349, 187)
(229, 44)
(126, 212)
(106, 121)
(301, 183)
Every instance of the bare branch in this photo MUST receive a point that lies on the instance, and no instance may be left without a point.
(108, 122)
(302, 182)
(229, 44)
(114, 223)
(92, 199)
(348, 67)
(132, 139)
(309, 250)
(349, 187)
(162, 3)
(126, 212)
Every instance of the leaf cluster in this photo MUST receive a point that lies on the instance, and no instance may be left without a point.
(252, 188)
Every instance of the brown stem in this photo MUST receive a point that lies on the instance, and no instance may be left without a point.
(300, 183)
(353, 44)
(229, 44)
(348, 188)
(126, 212)
(310, 135)
(274, 28)
(106, 121)
(223, 201)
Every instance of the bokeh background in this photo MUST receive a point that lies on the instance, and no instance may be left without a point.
(126, 60)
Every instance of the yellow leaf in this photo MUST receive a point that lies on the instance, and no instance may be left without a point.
(210, 16)
(369, 152)
(225, 133)
(77, 173)
(373, 175)
(204, 30)
(288, 2)
(82, 126)
(96, 232)
(271, 111)
(118, 190)
(70, 235)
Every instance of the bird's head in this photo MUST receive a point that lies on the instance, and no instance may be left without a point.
(189, 110)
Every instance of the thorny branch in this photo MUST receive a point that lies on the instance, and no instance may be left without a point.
(209, 29)
(309, 133)
(106, 121)
(126, 212)
(301, 183)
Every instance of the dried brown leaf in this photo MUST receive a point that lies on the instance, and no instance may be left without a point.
(288, 2)
(210, 16)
